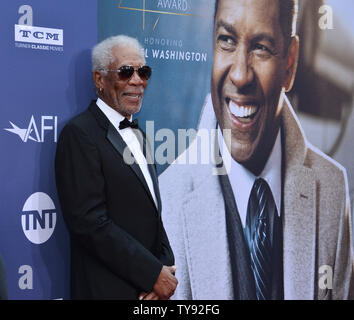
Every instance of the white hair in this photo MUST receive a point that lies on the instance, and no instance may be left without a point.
(102, 53)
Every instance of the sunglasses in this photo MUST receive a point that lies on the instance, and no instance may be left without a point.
(126, 72)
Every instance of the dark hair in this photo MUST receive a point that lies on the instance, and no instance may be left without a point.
(287, 18)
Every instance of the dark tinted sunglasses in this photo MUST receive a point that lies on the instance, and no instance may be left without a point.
(126, 72)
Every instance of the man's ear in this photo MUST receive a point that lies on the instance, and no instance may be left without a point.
(292, 62)
(98, 79)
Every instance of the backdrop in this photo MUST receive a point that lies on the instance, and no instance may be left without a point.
(45, 63)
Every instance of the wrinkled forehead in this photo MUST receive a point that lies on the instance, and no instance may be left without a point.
(250, 20)
(251, 14)
(127, 55)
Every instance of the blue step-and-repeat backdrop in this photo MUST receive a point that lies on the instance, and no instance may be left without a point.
(45, 60)
(46, 79)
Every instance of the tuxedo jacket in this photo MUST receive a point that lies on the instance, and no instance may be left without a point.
(118, 242)
(317, 241)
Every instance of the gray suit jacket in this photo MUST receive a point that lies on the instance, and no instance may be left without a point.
(316, 221)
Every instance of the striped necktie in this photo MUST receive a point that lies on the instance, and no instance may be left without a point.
(260, 206)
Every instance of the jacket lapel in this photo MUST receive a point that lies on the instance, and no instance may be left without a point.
(148, 152)
(204, 225)
(299, 213)
(119, 145)
(154, 179)
(206, 243)
(204, 228)
(299, 234)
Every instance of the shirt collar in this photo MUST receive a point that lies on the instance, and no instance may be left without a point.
(242, 180)
(113, 116)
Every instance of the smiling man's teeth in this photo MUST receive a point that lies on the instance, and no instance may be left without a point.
(242, 111)
(133, 95)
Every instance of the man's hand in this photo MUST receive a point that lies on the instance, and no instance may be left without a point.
(148, 296)
(164, 287)
(166, 283)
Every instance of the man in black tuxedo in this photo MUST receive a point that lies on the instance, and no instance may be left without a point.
(119, 248)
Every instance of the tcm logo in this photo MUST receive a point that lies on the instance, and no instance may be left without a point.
(35, 133)
(38, 218)
(39, 35)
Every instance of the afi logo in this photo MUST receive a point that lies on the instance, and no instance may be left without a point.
(38, 218)
(47, 123)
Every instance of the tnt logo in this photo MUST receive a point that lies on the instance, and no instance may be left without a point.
(38, 218)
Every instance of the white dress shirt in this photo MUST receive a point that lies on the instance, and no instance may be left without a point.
(131, 140)
(242, 180)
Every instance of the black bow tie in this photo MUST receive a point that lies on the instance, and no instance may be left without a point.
(126, 123)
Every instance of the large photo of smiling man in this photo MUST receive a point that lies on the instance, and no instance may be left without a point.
(276, 223)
